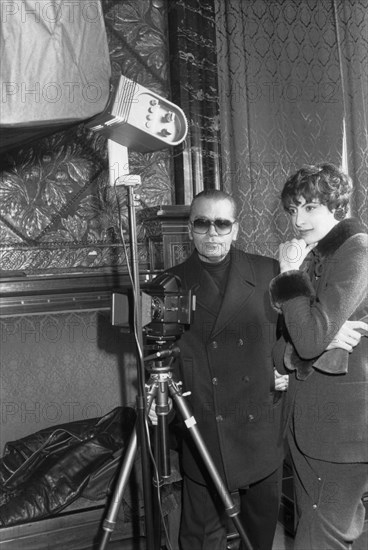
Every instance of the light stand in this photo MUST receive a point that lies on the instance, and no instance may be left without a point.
(110, 520)
(137, 117)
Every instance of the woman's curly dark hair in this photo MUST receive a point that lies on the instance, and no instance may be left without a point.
(324, 182)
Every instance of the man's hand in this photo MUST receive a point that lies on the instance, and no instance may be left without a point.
(152, 415)
(281, 381)
(349, 335)
(292, 254)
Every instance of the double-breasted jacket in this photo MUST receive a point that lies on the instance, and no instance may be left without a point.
(226, 365)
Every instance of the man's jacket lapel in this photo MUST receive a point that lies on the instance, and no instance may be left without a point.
(241, 276)
(239, 288)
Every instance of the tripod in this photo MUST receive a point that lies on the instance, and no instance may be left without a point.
(161, 386)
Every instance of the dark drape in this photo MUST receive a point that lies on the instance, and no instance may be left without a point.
(352, 33)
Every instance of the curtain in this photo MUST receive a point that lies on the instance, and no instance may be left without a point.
(283, 66)
(352, 33)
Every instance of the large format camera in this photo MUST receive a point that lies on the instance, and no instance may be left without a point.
(166, 310)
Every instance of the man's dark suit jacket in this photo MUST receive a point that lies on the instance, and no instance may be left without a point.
(225, 363)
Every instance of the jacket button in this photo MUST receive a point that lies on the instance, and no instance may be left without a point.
(214, 345)
(240, 342)
(215, 381)
(219, 418)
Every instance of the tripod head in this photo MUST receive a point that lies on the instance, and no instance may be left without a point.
(161, 360)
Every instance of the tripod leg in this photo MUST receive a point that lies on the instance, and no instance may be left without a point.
(190, 422)
(125, 471)
(110, 521)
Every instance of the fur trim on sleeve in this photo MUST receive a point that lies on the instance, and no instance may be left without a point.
(289, 285)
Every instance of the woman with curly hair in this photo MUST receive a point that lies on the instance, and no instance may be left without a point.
(322, 295)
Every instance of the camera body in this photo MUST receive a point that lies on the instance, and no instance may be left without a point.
(166, 309)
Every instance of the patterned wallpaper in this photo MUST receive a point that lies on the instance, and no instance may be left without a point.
(60, 368)
(57, 211)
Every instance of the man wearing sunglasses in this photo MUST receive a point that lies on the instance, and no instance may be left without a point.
(225, 364)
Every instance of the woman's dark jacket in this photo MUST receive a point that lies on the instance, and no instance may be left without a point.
(225, 363)
(328, 390)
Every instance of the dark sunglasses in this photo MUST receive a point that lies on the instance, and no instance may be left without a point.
(202, 226)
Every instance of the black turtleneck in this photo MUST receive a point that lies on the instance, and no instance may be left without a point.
(219, 272)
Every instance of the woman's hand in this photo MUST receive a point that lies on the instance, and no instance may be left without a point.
(349, 335)
(292, 254)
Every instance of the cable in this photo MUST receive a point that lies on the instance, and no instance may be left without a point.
(142, 390)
